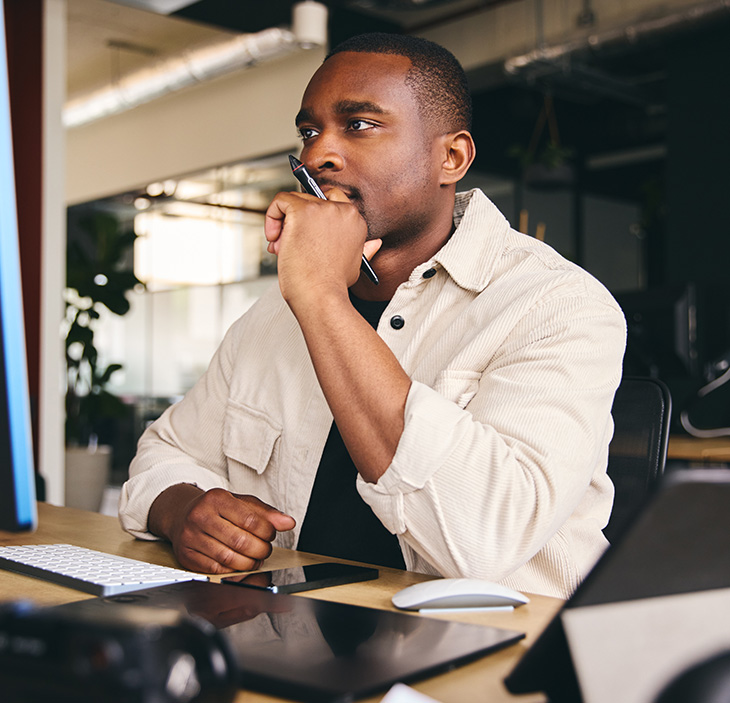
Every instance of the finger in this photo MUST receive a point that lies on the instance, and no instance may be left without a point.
(274, 218)
(221, 525)
(218, 507)
(260, 516)
(208, 555)
(225, 544)
(282, 522)
(371, 248)
(335, 195)
(277, 211)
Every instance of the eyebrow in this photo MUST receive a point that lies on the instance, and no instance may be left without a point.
(344, 107)
(348, 107)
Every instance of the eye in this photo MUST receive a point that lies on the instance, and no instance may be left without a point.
(307, 133)
(360, 125)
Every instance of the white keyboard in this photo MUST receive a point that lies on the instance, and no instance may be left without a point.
(88, 570)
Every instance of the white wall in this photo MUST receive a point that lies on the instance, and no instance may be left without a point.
(233, 118)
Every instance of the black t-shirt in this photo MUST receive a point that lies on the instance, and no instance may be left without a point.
(338, 522)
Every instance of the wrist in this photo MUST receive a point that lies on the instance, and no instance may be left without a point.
(169, 507)
(320, 301)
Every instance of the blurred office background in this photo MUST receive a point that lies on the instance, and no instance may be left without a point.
(164, 126)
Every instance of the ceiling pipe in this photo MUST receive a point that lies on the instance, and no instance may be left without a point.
(627, 33)
(309, 29)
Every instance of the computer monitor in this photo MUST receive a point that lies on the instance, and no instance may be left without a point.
(17, 472)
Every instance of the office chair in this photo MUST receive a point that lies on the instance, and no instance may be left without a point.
(638, 451)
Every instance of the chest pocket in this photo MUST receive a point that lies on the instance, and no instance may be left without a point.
(458, 386)
(249, 437)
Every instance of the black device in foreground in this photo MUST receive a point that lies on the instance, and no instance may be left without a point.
(117, 654)
(677, 544)
(313, 650)
(304, 578)
(310, 186)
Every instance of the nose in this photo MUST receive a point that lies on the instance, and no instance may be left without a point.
(323, 155)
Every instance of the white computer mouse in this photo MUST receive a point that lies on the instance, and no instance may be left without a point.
(457, 593)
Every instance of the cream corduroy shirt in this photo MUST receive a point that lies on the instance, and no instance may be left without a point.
(515, 355)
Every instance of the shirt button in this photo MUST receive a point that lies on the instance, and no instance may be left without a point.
(397, 322)
(430, 273)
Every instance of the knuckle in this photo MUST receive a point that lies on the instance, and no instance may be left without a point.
(215, 495)
(225, 560)
(267, 548)
(247, 498)
(242, 544)
(199, 515)
(231, 559)
(259, 527)
(250, 522)
(217, 568)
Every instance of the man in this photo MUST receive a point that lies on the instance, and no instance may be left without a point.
(470, 390)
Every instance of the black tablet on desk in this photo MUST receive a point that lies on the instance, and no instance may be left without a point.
(312, 650)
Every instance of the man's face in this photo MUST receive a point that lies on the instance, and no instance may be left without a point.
(362, 132)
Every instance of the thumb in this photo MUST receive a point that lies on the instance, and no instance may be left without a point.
(371, 248)
(281, 521)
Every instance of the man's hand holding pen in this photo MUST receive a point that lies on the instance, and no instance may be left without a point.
(319, 243)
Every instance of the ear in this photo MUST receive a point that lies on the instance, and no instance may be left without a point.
(458, 154)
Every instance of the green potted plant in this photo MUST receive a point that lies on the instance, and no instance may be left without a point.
(96, 279)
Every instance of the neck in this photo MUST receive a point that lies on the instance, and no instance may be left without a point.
(395, 264)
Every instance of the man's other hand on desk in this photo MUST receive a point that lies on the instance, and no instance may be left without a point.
(216, 531)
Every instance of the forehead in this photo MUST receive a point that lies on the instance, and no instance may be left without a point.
(361, 78)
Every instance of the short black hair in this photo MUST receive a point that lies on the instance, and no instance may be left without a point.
(436, 76)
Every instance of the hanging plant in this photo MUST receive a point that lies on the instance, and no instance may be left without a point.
(549, 163)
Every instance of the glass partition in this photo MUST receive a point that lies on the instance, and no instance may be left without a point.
(196, 261)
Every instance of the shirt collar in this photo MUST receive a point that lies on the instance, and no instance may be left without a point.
(473, 249)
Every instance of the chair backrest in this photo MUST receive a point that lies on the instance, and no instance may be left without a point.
(638, 451)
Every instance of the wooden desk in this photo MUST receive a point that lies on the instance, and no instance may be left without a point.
(478, 681)
(684, 447)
